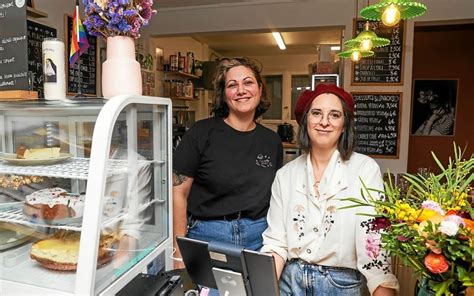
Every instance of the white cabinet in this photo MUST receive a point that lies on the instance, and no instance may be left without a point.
(119, 155)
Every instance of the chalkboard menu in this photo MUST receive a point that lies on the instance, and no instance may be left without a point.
(377, 121)
(385, 66)
(36, 34)
(88, 61)
(13, 46)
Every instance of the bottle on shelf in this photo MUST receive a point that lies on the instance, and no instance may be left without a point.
(181, 62)
(173, 62)
(189, 89)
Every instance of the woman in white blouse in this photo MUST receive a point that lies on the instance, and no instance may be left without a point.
(319, 248)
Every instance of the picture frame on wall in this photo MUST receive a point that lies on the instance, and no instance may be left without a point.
(434, 107)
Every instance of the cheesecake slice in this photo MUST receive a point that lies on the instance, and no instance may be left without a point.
(39, 153)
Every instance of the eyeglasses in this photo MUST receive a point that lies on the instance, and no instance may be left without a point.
(332, 117)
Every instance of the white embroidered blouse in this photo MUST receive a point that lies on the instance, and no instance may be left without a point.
(315, 229)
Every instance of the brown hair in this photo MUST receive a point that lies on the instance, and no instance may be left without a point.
(220, 108)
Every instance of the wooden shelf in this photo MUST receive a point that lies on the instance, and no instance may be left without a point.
(35, 13)
(182, 74)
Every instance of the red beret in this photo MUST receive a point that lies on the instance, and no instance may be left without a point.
(307, 96)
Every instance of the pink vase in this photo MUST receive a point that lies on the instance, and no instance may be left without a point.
(121, 73)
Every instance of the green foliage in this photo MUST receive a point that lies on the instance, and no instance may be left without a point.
(431, 218)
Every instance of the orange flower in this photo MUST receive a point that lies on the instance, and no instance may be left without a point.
(436, 263)
(429, 215)
(469, 224)
(426, 214)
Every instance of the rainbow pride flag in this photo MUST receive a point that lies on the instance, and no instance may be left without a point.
(79, 43)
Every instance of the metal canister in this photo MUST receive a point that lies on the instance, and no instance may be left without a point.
(53, 69)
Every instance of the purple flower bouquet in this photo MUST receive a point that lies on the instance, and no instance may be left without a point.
(108, 18)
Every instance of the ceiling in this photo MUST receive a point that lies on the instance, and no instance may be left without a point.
(180, 4)
(257, 43)
(262, 43)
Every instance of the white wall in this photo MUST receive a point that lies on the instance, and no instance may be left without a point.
(312, 13)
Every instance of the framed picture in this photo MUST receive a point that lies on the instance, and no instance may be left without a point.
(324, 78)
(434, 107)
(160, 59)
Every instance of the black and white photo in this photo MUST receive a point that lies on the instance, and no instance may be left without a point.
(434, 107)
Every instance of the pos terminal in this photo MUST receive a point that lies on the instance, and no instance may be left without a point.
(229, 268)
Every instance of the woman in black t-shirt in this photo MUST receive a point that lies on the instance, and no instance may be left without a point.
(225, 165)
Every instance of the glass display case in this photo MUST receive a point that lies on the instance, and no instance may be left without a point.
(84, 194)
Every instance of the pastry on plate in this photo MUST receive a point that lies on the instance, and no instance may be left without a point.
(37, 153)
(61, 251)
(52, 204)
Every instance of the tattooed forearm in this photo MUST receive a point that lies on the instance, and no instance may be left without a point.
(178, 179)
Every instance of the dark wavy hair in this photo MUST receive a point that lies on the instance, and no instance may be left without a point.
(220, 107)
(347, 141)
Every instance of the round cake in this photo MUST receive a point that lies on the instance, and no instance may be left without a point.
(52, 204)
(62, 250)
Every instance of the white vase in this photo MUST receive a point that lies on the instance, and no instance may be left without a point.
(121, 73)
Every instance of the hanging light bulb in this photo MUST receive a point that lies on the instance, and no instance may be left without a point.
(355, 53)
(366, 45)
(366, 40)
(391, 11)
(356, 56)
(391, 16)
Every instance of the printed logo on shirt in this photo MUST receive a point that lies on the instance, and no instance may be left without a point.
(263, 161)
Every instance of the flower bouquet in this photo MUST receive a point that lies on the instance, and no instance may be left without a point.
(119, 22)
(429, 227)
(108, 18)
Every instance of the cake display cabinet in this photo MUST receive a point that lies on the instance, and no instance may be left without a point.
(84, 194)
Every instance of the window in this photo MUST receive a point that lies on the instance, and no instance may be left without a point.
(274, 85)
(298, 84)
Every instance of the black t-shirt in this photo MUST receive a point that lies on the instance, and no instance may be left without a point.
(233, 171)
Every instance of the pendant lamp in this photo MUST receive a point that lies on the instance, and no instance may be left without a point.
(355, 54)
(367, 39)
(354, 51)
(391, 11)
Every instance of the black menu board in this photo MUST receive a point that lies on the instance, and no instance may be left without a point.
(36, 34)
(377, 122)
(386, 65)
(13, 46)
(88, 61)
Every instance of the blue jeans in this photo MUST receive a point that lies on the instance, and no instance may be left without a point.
(243, 232)
(302, 278)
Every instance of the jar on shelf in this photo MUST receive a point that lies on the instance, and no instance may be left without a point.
(188, 89)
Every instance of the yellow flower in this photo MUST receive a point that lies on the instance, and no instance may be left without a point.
(405, 212)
